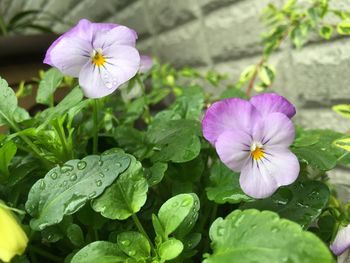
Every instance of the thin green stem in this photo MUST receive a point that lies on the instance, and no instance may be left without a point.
(45, 254)
(61, 134)
(148, 116)
(142, 231)
(96, 127)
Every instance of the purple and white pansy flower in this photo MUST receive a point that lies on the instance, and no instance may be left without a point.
(102, 55)
(341, 244)
(252, 137)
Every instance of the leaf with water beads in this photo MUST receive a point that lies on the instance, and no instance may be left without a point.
(251, 236)
(134, 244)
(101, 252)
(64, 190)
(126, 195)
(301, 202)
(178, 214)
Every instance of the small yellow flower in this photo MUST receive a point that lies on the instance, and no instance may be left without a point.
(13, 240)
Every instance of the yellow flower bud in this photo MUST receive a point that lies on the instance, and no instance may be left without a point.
(13, 240)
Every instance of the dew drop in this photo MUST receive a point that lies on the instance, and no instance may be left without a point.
(98, 182)
(106, 170)
(81, 165)
(186, 202)
(42, 185)
(53, 175)
(220, 231)
(101, 175)
(175, 204)
(126, 243)
(66, 168)
(73, 177)
(132, 252)
(64, 183)
(118, 164)
(100, 162)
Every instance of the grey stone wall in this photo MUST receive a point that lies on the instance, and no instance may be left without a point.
(222, 35)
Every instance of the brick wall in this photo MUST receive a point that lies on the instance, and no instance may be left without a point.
(224, 35)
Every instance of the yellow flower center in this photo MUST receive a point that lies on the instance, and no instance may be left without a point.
(97, 58)
(256, 150)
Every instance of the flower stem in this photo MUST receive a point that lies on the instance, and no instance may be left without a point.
(62, 136)
(96, 127)
(142, 231)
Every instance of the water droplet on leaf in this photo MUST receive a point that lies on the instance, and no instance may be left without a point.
(53, 175)
(81, 165)
(73, 177)
(98, 182)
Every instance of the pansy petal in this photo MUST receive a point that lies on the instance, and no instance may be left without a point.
(228, 114)
(233, 148)
(101, 81)
(281, 164)
(145, 63)
(69, 55)
(341, 241)
(271, 102)
(117, 36)
(275, 129)
(256, 181)
(261, 178)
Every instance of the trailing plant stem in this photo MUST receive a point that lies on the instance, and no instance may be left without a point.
(96, 127)
(142, 231)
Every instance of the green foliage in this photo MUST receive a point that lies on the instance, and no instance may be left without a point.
(126, 195)
(100, 251)
(8, 104)
(301, 202)
(178, 214)
(251, 236)
(48, 85)
(224, 186)
(65, 189)
(175, 140)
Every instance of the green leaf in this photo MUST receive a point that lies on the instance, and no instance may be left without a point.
(126, 195)
(301, 202)
(342, 109)
(48, 85)
(326, 32)
(252, 236)
(170, 249)
(134, 244)
(316, 157)
(75, 235)
(20, 115)
(64, 190)
(266, 74)
(175, 140)
(343, 27)
(7, 152)
(101, 252)
(343, 144)
(71, 100)
(179, 213)
(8, 103)
(224, 186)
(155, 173)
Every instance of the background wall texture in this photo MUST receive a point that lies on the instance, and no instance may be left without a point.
(223, 35)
